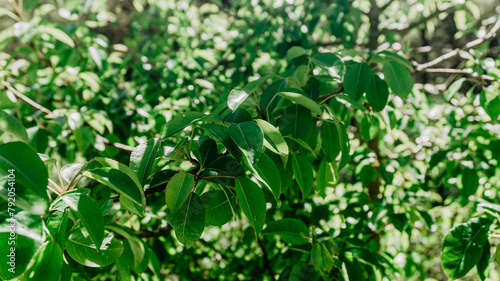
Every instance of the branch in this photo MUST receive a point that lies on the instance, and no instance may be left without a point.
(492, 34)
(445, 7)
(458, 71)
(335, 92)
(27, 100)
(46, 111)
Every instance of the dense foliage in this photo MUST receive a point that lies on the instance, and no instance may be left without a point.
(249, 140)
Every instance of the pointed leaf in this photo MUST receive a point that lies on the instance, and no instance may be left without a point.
(143, 157)
(273, 140)
(292, 231)
(180, 122)
(10, 125)
(303, 171)
(46, 264)
(178, 189)
(189, 222)
(299, 97)
(377, 93)
(463, 247)
(84, 252)
(357, 79)
(398, 78)
(249, 138)
(266, 172)
(252, 202)
(221, 134)
(331, 63)
(218, 207)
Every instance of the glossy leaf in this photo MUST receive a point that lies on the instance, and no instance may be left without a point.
(273, 140)
(89, 214)
(377, 93)
(221, 134)
(252, 202)
(463, 247)
(143, 158)
(303, 171)
(180, 122)
(398, 78)
(357, 79)
(249, 138)
(189, 222)
(219, 209)
(10, 125)
(300, 98)
(292, 231)
(178, 190)
(295, 52)
(83, 251)
(331, 63)
(46, 264)
(331, 139)
(30, 172)
(266, 172)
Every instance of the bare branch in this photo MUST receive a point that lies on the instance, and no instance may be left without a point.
(25, 99)
(492, 34)
(458, 71)
(445, 7)
(46, 111)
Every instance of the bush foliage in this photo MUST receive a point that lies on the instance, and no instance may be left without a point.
(249, 140)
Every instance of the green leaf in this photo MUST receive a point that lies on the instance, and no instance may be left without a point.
(470, 182)
(83, 251)
(463, 247)
(252, 202)
(292, 231)
(303, 171)
(385, 56)
(180, 122)
(249, 138)
(296, 121)
(331, 63)
(189, 222)
(398, 78)
(138, 247)
(70, 172)
(370, 127)
(178, 190)
(484, 261)
(143, 158)
(118, 181)
(331, 139)
(299, 97)
(89, 214)
(321, 258)
(221, 134)
(269, 99)
(273, 140)
(266, 171)
(10, 125)
(327, 175)
(219, 209)
(357, 79)
(453, 89)
(377, 93)
(46, 264)
(207, 152)
(295, 52)
(57, 34)
(355, 103)
(236, 98)
(56, 224)
(29, 170)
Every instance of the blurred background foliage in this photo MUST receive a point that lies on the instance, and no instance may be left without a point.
(111, 74)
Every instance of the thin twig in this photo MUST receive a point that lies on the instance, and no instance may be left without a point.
(46, 111)
(445, 7)
(492, 34)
